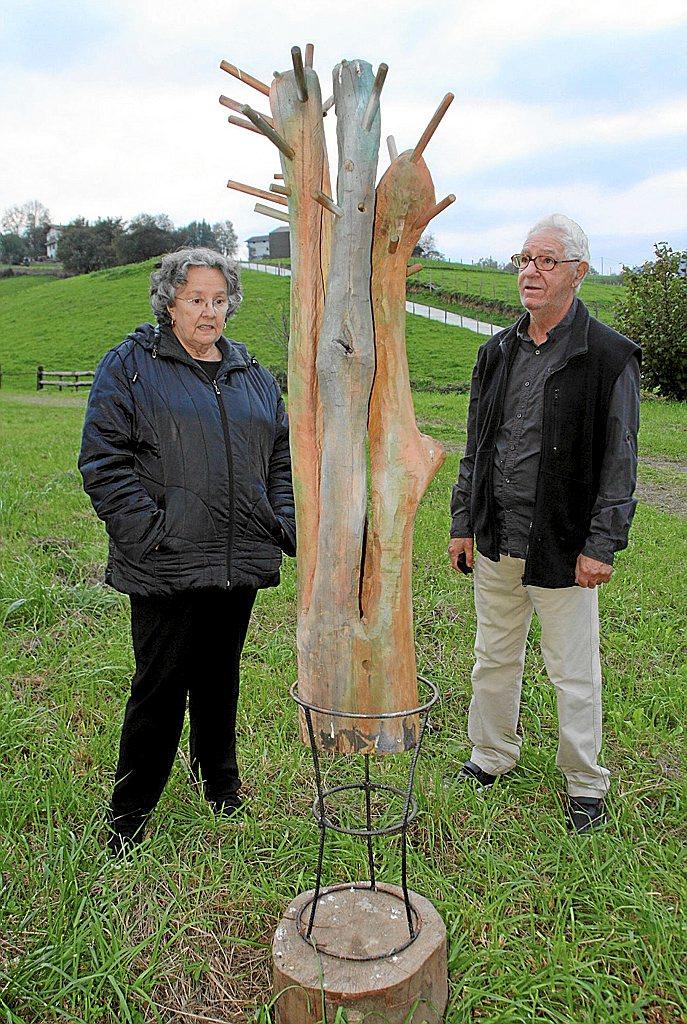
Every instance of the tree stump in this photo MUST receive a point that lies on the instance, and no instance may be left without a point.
(408, 987)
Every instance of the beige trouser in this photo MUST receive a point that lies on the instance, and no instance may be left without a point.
(569, 620)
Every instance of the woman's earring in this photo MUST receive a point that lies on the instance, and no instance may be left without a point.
(173, 321)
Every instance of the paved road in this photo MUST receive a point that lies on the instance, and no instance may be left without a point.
(414, 308)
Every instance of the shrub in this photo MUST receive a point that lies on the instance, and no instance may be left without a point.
(654, 314)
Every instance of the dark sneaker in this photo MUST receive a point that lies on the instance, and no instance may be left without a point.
(472, 771)
(227, 806)
(585, 813)
(126, 833)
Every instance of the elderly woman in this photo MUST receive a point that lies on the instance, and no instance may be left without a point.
(185, 457)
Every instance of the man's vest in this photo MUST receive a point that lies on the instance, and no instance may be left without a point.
(575, 414)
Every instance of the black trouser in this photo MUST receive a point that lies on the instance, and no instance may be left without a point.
(186, 644)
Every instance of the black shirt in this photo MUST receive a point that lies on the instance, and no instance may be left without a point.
(518, 447)
(210, 368)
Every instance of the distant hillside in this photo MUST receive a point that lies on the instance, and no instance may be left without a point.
(69, 324)
(492, 294)
(497, 286)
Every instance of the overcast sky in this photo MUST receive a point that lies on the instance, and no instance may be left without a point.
(110, 109)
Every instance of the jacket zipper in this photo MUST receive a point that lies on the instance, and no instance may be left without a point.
(230, 470)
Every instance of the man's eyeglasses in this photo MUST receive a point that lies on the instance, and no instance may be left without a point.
(522, 260)
(218, 305)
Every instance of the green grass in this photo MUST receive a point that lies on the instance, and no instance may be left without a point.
(541, 926)
(599, 294)
(69, 324)
(601, 298)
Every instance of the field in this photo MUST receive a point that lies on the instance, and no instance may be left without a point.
(39, 324)
(542, 926)
(495, 284)
(481, 286)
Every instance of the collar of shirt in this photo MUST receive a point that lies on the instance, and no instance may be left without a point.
(562, 328)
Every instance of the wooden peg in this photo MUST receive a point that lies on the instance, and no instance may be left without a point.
(432, 127)
(413, 269)
(297, 60)
(327, 105)
(393, 243)
(373, 102)
(268, 131)
(243, 124)
(227, 101)
(328, 203)
(309, 54)
(252, 191)
(281, 190)
(278, 177)
(393, 151)
(243, 76)
(435, 210)
(269, 211)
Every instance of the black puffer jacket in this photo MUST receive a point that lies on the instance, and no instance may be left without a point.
(192, 478)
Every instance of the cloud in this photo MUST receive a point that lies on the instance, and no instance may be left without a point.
(115, 109)
(616, 221)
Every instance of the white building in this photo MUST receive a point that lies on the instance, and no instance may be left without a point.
(258, 247)
(51, 240)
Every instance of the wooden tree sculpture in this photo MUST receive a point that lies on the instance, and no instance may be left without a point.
(349, 386)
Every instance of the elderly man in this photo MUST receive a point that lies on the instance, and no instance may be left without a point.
(545, 490)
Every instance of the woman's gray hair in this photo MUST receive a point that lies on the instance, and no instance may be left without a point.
(173, 272)
(575, 242)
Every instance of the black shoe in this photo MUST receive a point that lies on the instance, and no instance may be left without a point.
(585, 813)
(227, 806)
(472, 771)
(126, 833)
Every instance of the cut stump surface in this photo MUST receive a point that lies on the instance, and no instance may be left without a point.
(358, 922)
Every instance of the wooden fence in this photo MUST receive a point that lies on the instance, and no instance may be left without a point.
(63, 378)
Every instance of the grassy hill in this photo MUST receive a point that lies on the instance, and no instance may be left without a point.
(68, 325)
(480, 290)
(599, 296)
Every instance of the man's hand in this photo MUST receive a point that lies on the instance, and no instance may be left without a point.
(458, 544)
(590, 573)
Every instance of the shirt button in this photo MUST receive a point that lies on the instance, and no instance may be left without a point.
(518, 415)
(507, 479)
(512, 447)
(537, 352)
(527, 383)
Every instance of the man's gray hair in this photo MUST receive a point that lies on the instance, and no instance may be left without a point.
(173, 273)
(575, 242)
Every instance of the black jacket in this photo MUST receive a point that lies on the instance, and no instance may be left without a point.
(191, 477)
(574, 425)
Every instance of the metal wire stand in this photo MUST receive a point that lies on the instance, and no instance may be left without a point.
(367, 787)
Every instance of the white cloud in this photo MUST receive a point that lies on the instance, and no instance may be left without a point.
(134, 124)
(655, 208)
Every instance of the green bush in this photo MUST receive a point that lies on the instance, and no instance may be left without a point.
(653, 313)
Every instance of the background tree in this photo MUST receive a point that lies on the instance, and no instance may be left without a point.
(426, 249)
(31, 220)
(198, 232)
(227, 242)
(37, 222)
(488, 263)
(13, 248)
(147, 235)
(654, 314)
(12, 220)
(83, 247)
